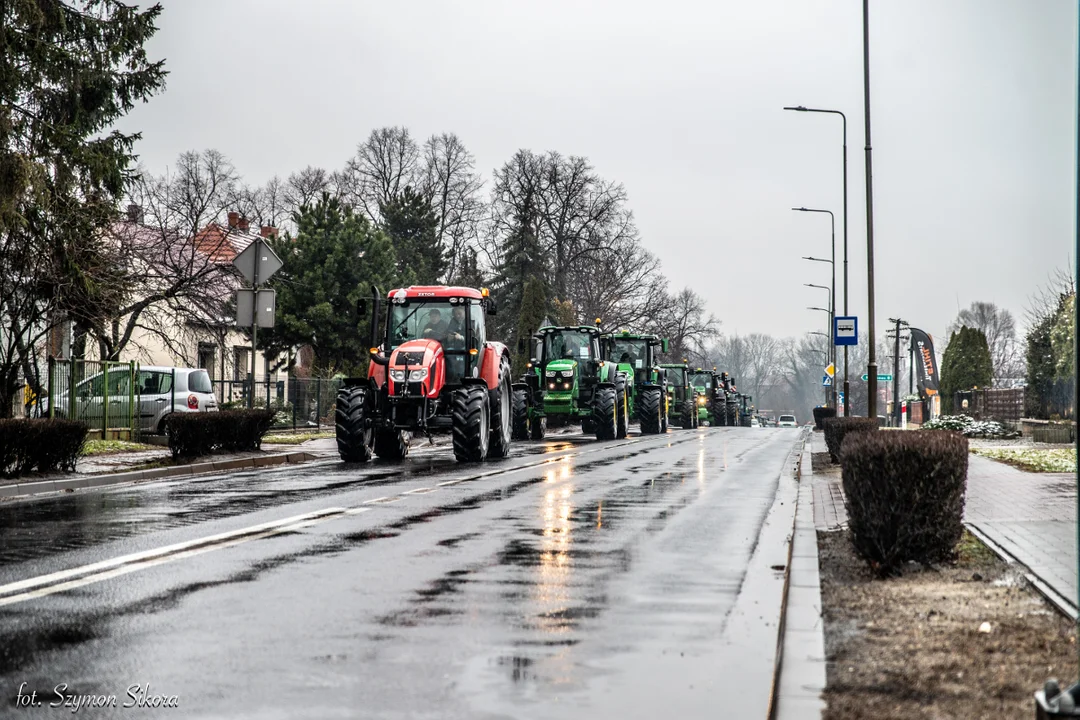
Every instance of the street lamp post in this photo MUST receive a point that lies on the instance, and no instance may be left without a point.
(843, 117)
(832, 300)
(871, 371)
(830, 352)
(828, 318)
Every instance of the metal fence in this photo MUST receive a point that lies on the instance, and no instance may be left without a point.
(1004, 405)
(105, 395)
(299, 402)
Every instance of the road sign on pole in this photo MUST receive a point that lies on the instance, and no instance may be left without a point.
(881, 377)
(826, 381)
(260, 308)
(846, 330)
(831, 370)
(268, 262)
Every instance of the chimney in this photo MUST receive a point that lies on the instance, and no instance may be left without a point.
(234, 219)
(242, 224)
(134, 214)
(268, 231)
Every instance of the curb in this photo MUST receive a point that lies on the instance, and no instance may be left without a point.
(1065, 606)
(134, 476)
(800, 667)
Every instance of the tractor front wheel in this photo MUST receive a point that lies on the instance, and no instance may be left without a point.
(603, 413)
(621, 410)
(354, 434)
(733, 416)
(472, 427)
(689, 412)
(537, 428)
(520, 411)
(501, 415)
(651, 410)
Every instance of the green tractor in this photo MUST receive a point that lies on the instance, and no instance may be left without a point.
(568, 382)
(711, 397)
(683, 396)
(646, 394)
(746, 410)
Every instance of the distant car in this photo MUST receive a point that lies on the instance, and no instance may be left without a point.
(754, 422)
(156, 396)
(787, 421)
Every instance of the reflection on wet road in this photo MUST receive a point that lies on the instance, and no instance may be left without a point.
(559, 578)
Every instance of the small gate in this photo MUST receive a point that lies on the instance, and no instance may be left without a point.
(102, 394)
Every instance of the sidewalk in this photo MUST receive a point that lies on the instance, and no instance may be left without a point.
(1031, 517)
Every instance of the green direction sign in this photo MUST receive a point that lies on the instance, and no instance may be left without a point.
(881, 378)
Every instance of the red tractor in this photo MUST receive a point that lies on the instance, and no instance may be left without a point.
(433, 370)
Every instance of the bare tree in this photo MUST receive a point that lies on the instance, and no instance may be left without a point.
(1000, 329)
(452, 187)
(384, 165)
(305, 187)
(265, 205)
(686, 324)
(178, 277)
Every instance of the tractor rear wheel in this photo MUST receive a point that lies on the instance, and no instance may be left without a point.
(501, 415)
(354, 434)
(603, 413)
(519, 408)
(537, 428)
(718, 415)
(391, 444)
(621, 409)
(472, 427)
(733, 416)
(651, 410)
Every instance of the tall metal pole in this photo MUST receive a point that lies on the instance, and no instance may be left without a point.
(832, 310)
(871, 371)
(847, 386)
(254, 322)
(1076, 320)
(896, 377)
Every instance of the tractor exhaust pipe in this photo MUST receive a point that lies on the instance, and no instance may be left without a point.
(373, 337)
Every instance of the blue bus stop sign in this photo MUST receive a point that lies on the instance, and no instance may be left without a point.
(846, 330)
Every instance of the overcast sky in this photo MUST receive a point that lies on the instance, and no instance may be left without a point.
(974, 108)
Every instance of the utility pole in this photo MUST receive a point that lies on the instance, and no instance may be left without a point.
(871, 372)
(254, 324)
(896, 369)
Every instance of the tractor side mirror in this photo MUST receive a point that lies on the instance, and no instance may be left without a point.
(664, 345)
(491, 308)
(361, 307)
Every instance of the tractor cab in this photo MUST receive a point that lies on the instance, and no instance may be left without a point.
(682, 396)
(705, 382)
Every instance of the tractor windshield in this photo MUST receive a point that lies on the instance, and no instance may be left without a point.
(569, 344)
(458, 326)
(676, 376)
(630, 352)
(701, 380)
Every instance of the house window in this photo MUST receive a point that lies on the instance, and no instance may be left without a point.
(207, 353)
(241, 362)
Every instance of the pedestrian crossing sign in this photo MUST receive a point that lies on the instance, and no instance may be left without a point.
(826, 381)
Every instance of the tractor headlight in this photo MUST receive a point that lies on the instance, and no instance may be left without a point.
(567, 373)
(550, 373)
(551, 386)
(418, 375)
(397, 375)
(701, 401)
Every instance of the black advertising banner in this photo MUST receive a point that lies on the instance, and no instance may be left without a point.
(926, 370)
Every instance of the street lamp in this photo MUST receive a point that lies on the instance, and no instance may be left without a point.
(843, 117)
(832, 300)
(829, 351)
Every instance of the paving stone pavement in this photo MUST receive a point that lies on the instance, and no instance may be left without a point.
(1032, 516)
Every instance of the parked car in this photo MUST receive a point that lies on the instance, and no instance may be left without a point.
(787, 421)
(160, 391)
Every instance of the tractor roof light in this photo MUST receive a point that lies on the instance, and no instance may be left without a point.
(484, 292)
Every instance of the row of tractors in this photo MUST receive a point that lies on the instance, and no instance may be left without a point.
(433, 369)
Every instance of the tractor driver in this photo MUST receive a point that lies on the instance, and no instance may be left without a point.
(435, 328)
(455, 333)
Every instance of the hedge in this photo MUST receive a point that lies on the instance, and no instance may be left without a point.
(45, 445)
(193, 434)
(836, 429)
(821, 414)
(904, 494)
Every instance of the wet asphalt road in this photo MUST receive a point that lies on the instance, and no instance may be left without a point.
(580, 578)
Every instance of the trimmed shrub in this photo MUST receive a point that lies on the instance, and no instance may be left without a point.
(821, 414)
(194, 434)
(904, 494)
(44, 445)
(837, 428)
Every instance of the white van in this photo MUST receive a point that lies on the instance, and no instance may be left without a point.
(787, 421)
